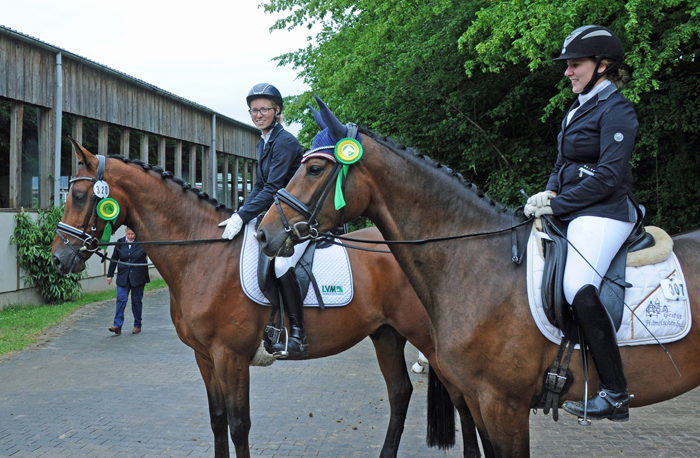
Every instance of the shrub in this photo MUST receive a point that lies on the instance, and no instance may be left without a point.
(34, 240)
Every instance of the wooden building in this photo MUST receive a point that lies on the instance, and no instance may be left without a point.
(48, 93)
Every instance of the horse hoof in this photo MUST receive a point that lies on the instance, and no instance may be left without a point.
(417, 368)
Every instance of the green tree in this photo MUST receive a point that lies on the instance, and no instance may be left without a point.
(472, 84)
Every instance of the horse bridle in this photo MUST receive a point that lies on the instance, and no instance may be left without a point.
(90, 242)
(311, 223)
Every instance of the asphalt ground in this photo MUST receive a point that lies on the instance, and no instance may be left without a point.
(84, 392)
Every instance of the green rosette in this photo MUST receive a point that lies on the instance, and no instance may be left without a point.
(108, 210)
(347, 151)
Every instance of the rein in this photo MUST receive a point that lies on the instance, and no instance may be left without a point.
(435, 239)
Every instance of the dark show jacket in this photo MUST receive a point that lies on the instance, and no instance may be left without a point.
(278, 160)
(129, 275)
(599, 137)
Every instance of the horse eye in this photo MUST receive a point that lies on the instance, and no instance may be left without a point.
(79, 197)
(315, 170)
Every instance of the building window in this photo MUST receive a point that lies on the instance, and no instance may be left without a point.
(29, 179)
(5, 114)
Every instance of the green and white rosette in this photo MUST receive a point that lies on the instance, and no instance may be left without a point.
(108, 210)
(347, 151)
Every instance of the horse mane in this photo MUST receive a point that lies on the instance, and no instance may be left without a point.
(203, 196)
(433, 164)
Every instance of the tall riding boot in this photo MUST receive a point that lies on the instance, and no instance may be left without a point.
(297, 345)
(612, 401)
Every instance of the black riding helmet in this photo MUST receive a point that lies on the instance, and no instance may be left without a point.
(596, 42)
(264, 90)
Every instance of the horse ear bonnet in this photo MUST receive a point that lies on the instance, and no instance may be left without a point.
(336, 129)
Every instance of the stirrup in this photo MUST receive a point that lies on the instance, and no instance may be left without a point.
(281, 354)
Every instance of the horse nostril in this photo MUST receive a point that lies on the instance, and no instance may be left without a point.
(261, 237)
(56, 261)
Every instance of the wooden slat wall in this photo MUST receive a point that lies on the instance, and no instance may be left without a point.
(27, 74)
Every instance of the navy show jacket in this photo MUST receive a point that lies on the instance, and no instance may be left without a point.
(129, 275)
(599, 138)
(278, 161)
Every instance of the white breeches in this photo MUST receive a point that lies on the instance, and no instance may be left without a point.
(282, 265)
(598, 240)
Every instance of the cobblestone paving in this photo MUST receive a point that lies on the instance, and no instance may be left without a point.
(82, 392)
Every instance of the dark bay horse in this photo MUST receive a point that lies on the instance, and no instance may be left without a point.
(487, 343)
(220, 323)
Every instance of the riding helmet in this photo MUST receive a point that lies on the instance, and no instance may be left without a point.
(592, 41)
(267, 91)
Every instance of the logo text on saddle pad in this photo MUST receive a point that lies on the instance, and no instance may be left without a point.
(331, 289)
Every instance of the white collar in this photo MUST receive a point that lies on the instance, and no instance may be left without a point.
(583, 98)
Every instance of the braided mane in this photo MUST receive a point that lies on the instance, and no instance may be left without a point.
(203, 196)
(429, 162)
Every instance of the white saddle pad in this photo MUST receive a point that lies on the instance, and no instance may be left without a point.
(331, 268)
(651, 309)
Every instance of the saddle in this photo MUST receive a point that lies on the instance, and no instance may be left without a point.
(612, 290)
(558, 378)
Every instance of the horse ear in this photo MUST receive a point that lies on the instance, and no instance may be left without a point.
(317, 117)
(83, 155)
(335, 127)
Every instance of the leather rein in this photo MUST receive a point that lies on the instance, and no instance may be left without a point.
(310, 225)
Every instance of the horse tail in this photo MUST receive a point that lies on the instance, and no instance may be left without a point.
(441, 414)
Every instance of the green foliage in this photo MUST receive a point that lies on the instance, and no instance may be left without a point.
(34, 240)
(472, 84)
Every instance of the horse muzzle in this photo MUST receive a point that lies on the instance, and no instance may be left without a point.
(67, 261)
(275, 244)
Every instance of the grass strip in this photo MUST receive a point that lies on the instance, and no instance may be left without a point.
(20, 325)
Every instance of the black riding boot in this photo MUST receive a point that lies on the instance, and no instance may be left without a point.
(297, 345)
(612, 401)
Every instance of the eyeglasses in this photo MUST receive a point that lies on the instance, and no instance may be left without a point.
(264, 111)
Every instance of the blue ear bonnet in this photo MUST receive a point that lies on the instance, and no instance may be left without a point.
(324, 146)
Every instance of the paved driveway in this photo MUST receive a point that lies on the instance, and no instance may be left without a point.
(83, 392)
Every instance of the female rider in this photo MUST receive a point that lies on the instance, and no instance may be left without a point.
(590, 188)
(279, 157)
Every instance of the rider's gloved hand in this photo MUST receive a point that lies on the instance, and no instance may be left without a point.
(541, 199)
(537, 212)
(529, 210)
(541, 211)
(233, 226)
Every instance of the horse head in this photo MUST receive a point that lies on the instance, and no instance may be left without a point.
(309, 203)
(87, 213)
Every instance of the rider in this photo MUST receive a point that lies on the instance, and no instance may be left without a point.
(590, 188)
(279, 156)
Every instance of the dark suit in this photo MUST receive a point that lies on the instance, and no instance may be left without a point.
(278, 160)
(129, 278)
(600, 137)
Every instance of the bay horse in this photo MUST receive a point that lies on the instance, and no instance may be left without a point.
(214, 317)
(487, 343)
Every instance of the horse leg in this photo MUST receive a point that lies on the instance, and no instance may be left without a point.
(442, 400)
(233, 373)
(217, 407)
(469, 432)
(389, 346)
(507, 422)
